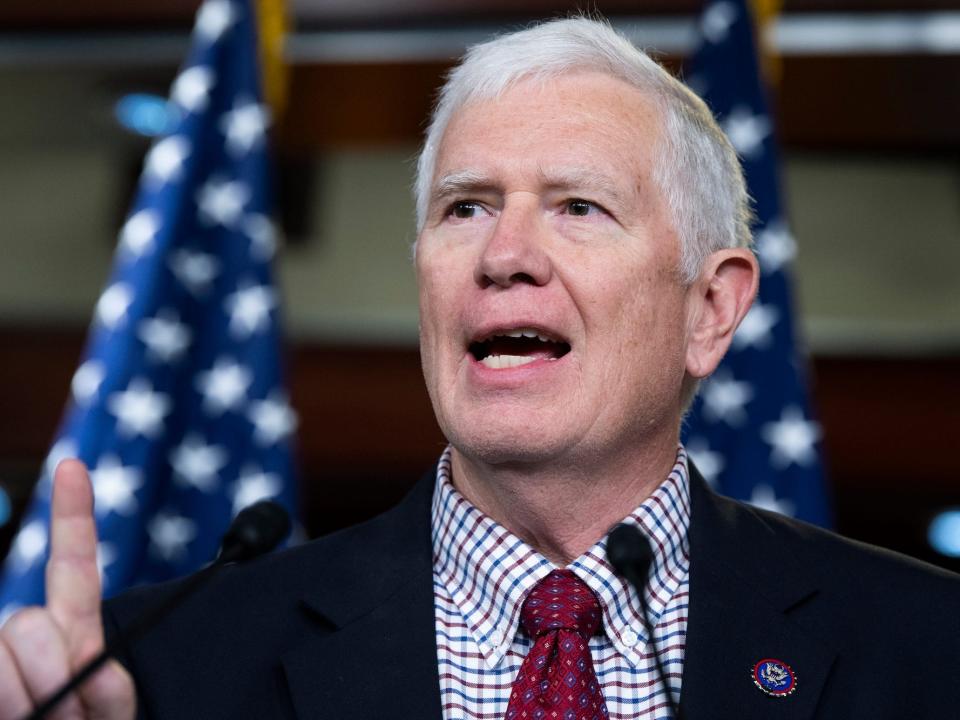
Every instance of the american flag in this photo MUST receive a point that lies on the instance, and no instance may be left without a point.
(178, 406)
(751, 431)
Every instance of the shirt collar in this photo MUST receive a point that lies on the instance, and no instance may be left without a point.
(488, 571)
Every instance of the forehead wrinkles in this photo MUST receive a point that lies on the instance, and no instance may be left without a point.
(585, 102)
(578, 130)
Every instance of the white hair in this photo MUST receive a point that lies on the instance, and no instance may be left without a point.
(696, 169)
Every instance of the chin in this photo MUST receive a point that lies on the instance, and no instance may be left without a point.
(500, 438)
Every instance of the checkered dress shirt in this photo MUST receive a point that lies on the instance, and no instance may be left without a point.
(482, 573)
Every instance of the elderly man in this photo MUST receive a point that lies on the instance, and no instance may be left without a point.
(583, 262)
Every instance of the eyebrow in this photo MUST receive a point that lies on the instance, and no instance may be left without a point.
(464, 181)
(580, 178)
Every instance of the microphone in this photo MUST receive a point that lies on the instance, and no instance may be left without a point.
(630, 555)
(256, 530)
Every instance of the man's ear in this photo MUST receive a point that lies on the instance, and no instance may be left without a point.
(719, 300)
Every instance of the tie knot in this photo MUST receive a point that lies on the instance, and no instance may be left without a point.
(561, 601)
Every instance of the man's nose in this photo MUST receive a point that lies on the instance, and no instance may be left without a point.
(516, 250)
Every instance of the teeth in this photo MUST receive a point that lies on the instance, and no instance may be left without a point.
(499, 362)
(525, 332)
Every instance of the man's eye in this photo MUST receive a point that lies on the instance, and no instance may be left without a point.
(464, 210)
(581, 208)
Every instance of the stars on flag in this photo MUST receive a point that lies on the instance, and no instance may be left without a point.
(747, 131)
(756, 329)
(749, 431)
(222, 201)
(224, 386)
(164, 162)
(180, 385)
(195, 270)
(30, 545)
(62, 449)
(191, 89)
(244, 126)
(249, 309)
(709, 463)
(106, 556)
(792, 438)
(165, 337)
(716, 21)
(139, 409)
(115, 486)
(197, 464)
(113, 305)
(273, 419)
(139, 232)
(86, 381)
(263, 236)
(765, 498)
(170, 534)
(253, 486)
(725, 399)
(776, 247)
(214, 18)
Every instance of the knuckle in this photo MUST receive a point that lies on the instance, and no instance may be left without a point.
(26, 622)
(111, 684)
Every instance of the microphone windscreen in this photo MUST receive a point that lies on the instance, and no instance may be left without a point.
(629, 552)
(257, 529)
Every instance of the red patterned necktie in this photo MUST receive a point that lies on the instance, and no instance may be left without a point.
(556, 679)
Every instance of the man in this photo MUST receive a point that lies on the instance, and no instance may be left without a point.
(583, 262)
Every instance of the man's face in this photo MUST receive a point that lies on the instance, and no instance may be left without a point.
(544, 221)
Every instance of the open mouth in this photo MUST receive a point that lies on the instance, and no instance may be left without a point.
(513, 348)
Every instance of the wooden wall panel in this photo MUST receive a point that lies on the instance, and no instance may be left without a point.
(358, 105)
(903, 102)
(875, 103)
(890, 420)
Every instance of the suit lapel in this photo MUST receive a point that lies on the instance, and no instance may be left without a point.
(373, 652)
(744, 581)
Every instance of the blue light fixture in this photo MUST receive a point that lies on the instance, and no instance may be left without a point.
(5, 508)
(944, 532)
(145, 114)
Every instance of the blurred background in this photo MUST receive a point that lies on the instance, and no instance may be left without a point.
(867, 107)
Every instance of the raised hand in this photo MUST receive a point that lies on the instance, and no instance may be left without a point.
(40, 647)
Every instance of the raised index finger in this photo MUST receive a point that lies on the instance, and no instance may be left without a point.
(73, 582)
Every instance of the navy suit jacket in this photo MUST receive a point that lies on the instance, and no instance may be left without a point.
(343, 627)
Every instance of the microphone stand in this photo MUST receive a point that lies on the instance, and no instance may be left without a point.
(629, 552)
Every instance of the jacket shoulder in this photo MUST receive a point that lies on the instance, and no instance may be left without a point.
(221, 652)
(861, 593)
(830, 552)
(365, 553)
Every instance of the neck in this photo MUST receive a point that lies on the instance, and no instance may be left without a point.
(562, 507)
